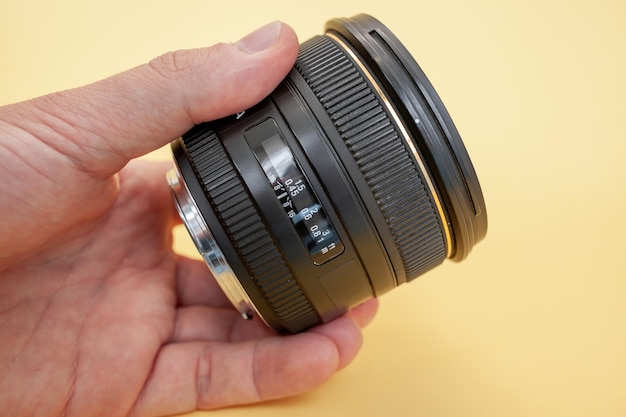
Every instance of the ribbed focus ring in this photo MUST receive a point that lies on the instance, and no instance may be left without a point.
(373, 140)
(247, 232)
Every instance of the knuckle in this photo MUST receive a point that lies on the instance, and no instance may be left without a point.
(174, 63)
(204, 380)
(225, 378)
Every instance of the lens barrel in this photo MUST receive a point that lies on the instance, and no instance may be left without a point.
(348, 180)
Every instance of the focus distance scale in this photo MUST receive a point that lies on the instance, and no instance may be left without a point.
(347, 181)
(294, 192)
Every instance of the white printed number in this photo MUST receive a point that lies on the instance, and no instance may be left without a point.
(295, 188)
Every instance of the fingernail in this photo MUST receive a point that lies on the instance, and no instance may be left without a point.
(261, 38)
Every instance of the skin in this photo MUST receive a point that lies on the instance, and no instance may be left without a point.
(98, 316)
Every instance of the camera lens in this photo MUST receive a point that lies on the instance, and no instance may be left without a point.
(347, 181)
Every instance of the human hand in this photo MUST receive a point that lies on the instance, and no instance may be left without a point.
(98, 316)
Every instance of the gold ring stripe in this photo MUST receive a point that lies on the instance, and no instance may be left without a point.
(407, 139)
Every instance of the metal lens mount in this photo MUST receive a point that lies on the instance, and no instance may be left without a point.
(207, 246)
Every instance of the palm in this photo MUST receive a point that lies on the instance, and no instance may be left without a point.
(105, 316)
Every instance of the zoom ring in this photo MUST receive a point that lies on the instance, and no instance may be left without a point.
(377, 148)
(245, 229)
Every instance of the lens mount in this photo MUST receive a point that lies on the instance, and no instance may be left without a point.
(197, 228)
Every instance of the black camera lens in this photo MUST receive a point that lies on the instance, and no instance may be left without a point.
(348, 180)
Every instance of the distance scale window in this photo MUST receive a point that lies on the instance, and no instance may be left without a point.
(294, 193)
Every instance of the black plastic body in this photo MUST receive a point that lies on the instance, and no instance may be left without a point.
(345, 116)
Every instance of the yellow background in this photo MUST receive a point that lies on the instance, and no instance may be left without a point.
(533, 323)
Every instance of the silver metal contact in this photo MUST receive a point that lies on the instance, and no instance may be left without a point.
(207, 246)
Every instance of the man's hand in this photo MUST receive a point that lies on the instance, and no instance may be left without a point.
(97, 315)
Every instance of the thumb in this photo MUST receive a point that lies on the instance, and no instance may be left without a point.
(102, 126)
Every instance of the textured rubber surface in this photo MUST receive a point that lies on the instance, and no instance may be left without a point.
(246, 230)
(393, 177)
